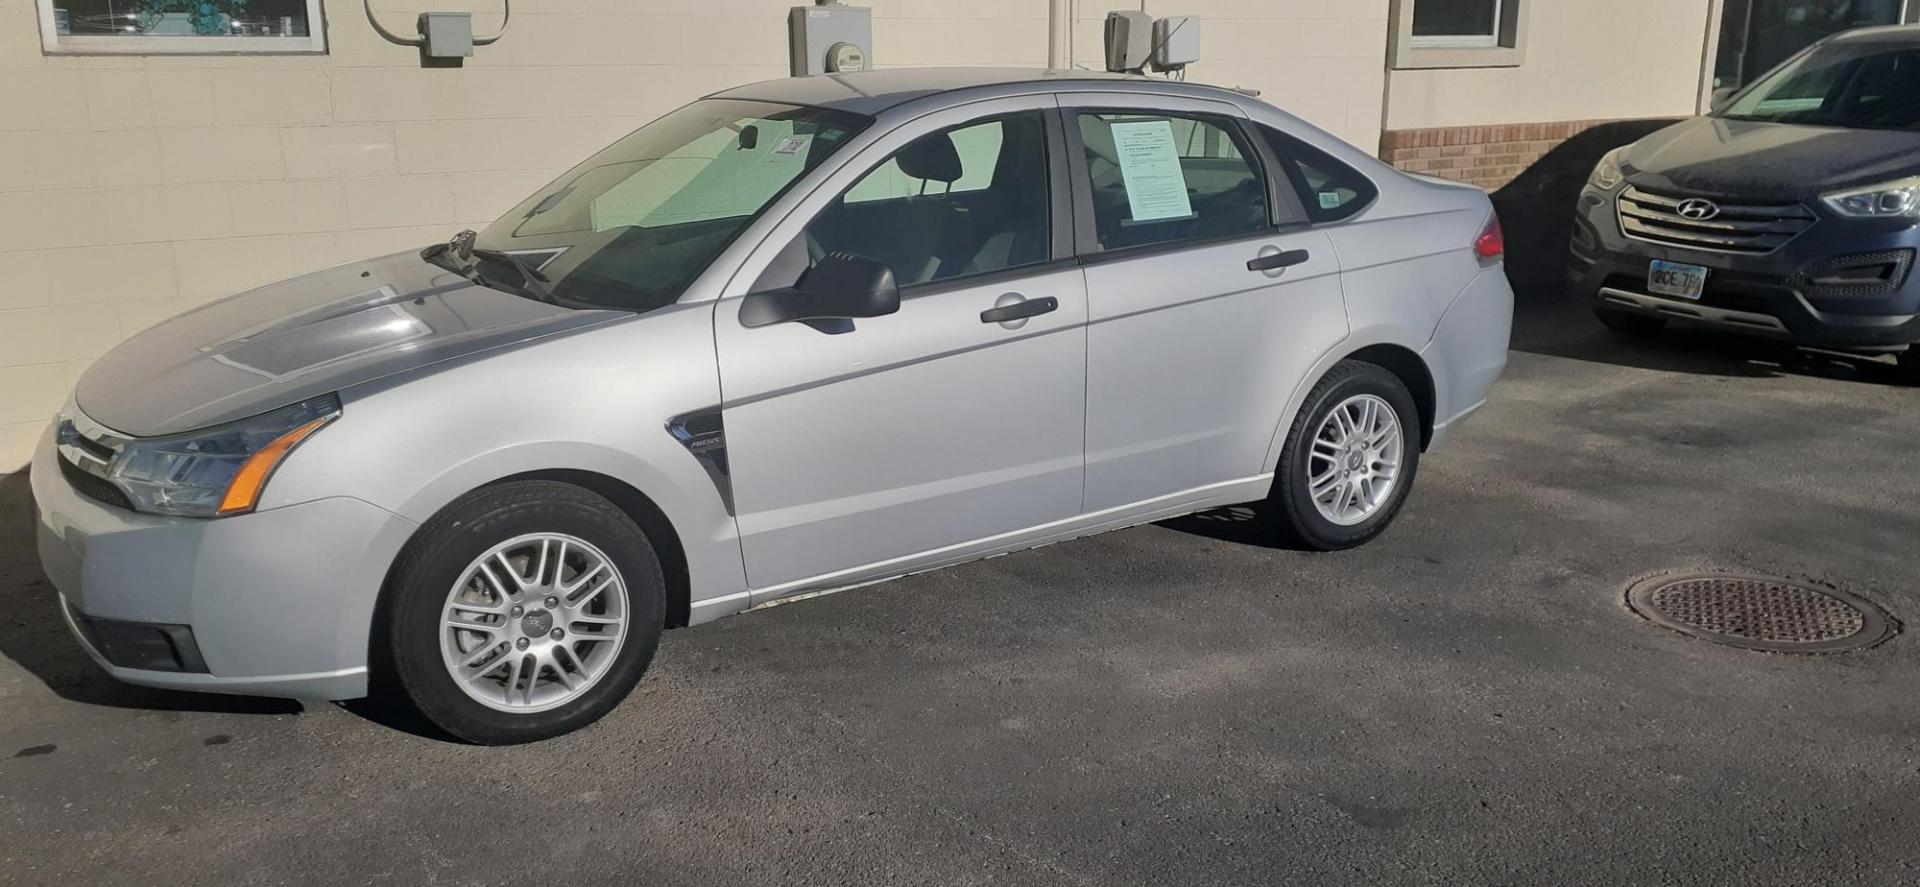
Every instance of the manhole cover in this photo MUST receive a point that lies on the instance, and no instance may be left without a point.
(1760, 612)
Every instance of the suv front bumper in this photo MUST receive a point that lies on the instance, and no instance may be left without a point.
(1776, 295)
(275, 603)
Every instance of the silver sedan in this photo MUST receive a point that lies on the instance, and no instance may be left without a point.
(794, 337)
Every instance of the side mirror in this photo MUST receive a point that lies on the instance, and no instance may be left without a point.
(840, 286)
(1720, 97)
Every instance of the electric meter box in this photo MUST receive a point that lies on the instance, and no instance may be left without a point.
(1129, 41)
(1176, 42)
(829, 39)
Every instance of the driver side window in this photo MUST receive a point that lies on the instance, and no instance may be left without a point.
(960, 202)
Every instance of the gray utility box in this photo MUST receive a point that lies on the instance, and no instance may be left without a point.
(829, 39)
(449, 35)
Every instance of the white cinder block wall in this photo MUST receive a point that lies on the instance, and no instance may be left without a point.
(135, 187)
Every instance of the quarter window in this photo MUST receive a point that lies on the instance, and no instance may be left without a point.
(1329, 190)
(181, 26)
(965, 201)
(1159, 178)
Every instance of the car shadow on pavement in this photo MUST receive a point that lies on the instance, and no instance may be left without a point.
(1549, 320)
(1247, 524)
(33, 635)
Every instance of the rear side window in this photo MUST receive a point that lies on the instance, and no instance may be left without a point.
(1161, 178)
(1329, 190)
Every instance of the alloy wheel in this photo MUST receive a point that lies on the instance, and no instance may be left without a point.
(1354, 462)
(534, 622)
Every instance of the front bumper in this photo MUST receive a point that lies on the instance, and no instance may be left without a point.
(1771, 295)
(275, 603)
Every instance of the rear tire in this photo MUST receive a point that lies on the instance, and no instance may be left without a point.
(524, 610)
(1342, 479)
(1628, 322)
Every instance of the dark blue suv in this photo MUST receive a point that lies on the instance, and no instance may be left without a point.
(1792, 211)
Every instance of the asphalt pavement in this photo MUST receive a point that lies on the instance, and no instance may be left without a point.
(1467, 700)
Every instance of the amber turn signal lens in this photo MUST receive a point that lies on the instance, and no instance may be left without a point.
(244, 493)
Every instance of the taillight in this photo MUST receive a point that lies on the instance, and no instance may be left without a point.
(1492, 242)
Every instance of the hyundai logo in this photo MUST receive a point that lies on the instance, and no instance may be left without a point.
(1698, 210)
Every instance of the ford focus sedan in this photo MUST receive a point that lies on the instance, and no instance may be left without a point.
(1791, 213)
(794, 337)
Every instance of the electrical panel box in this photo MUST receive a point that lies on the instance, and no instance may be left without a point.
(829, 39)
(448, 35)
(1129, 41)
(1176, 42)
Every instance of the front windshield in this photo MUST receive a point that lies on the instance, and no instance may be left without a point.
(1858, 84)
(635, 224)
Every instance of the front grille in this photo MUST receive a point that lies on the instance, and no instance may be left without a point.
(1737, 227)
(93, 486)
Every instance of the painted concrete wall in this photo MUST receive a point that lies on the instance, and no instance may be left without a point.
(135, 187)
(1585, 60)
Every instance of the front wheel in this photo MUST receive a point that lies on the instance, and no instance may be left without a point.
(1910, 365)
(522, 611)
(1349, 459)
(1629, 322)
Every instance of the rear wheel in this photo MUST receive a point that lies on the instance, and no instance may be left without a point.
(1629, 322)
(523, 611)
(1349, 459)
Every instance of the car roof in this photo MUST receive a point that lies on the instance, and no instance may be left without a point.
(873, 92)
(1897, 34)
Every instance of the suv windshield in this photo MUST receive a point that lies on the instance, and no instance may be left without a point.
(634, 225)
(1860, 84)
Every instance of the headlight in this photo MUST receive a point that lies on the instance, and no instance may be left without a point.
(1608, 174)
(1893, 200)
(217, 471)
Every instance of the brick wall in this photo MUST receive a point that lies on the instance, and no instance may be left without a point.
(1488, 156)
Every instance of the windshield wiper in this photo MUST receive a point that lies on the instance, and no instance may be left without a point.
(461, 257)
(537, 283)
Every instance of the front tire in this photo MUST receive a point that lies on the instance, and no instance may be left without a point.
(522, 611)
(1349, 460)
(1628, 322)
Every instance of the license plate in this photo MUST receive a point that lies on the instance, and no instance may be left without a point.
(1677, 280)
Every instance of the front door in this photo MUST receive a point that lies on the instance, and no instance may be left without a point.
(866, 448)
(1209, 299)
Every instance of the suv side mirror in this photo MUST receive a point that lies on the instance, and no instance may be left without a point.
(1720, 97)
(840, 286)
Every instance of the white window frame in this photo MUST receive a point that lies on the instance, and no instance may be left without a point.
(1506, 47)
(56, 43)
(1465, 41)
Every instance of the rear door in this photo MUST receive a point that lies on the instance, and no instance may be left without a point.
(874, 446)
(1209, 296)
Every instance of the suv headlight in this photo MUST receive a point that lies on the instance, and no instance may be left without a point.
(1609, 173)
(1893, 200)
(217, 471)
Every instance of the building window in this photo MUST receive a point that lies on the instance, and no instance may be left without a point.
(1456, 23)
(181, 26)
(1458, 33)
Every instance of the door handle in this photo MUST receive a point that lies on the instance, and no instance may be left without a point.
(1278, 260)
(1019, 310)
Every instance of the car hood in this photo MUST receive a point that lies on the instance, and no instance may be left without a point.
(1746, 159)
(304, 337)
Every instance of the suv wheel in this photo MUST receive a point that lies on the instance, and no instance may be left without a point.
(523, 611)
(1629, 322)
(1349, 460)
(1910, 365)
